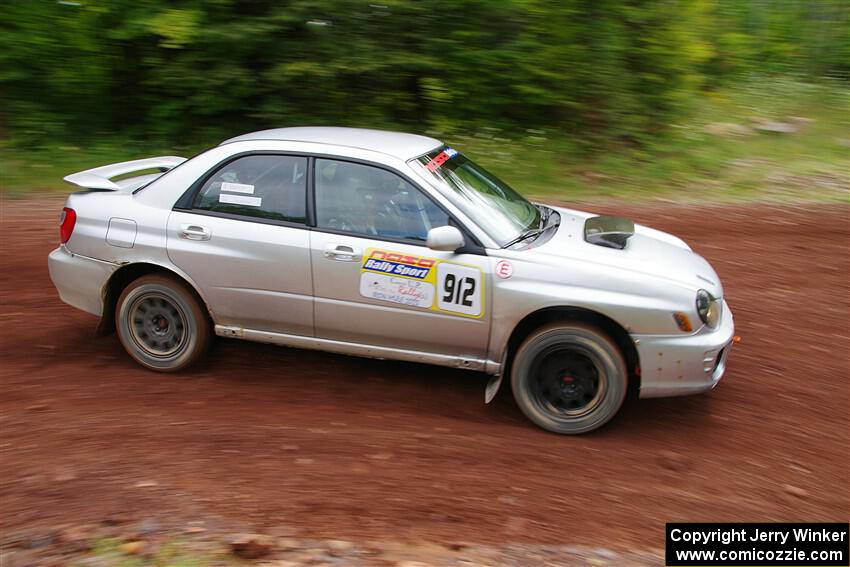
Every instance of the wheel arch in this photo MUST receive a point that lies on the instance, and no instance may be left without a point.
(609, 326)
(124, 276)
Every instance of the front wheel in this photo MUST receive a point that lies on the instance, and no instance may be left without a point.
(161, 323)
(569, 378)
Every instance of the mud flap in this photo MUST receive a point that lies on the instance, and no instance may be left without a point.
(492, 388)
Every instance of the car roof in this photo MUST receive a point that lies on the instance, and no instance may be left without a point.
(397, 144)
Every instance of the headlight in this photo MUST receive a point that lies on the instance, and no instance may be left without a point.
(708, 308)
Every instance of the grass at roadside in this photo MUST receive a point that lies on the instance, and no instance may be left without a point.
(171, 553)
(26, 171)
(717, 153)
(714, 154)
(166, 549)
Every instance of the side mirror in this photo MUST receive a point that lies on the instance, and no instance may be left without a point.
(445, 238)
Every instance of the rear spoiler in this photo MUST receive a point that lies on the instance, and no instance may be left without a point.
(100, 177)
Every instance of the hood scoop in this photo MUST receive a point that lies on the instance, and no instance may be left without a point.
(610, 232)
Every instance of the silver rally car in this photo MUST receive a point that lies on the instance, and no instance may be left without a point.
(394, 246)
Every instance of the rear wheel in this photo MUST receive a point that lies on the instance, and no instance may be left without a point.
(569, 378)
(161, 323)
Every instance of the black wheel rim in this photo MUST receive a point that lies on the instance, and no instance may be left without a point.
(157, 325)
(568, 382)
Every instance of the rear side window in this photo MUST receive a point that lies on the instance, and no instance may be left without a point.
(264, 186)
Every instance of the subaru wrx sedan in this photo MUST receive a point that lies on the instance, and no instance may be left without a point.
(392, 246)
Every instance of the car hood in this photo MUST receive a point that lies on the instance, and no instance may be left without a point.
(648, 251)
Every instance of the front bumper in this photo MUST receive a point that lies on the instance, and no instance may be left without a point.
(673, 365)
(79, 280)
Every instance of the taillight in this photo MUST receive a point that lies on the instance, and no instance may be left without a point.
(67, 220)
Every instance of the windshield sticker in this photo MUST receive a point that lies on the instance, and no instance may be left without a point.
(440, 159)
(237, 187)
(427, 283)
(240, 200)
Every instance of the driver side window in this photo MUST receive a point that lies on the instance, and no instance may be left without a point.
(371, 201)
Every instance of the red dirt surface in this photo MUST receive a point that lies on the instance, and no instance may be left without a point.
(261, 436)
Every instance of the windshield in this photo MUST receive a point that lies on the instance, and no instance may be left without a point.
(502, 212)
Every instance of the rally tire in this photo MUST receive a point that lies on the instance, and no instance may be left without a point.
(569, 378)
(162, 324)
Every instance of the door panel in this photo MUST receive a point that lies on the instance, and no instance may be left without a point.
(254, 272)
(401, 296)
(253, 275)
(384, 293)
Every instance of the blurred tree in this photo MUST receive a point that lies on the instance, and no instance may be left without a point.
(192, 69)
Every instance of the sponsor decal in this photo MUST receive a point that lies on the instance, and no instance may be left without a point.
(426, 283)
(397, 290)
(398, 264)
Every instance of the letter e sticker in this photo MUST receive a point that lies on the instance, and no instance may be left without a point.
(504, 269)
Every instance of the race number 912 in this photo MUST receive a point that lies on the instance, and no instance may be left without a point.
(459, 289)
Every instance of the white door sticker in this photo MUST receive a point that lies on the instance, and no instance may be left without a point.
(397, 290)
(240, 200)
(459, 289)
(237, 188)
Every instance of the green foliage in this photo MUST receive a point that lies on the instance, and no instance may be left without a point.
(688, 163)
(176, 27)
(596, 70)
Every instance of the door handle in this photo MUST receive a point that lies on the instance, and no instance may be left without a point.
(342, 253)
(194, 232)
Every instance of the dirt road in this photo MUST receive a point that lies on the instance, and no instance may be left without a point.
(260, 436)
